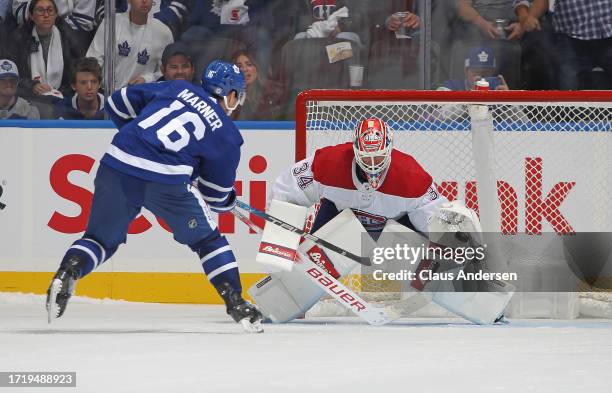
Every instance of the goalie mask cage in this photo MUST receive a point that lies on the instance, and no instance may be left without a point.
(526, 161)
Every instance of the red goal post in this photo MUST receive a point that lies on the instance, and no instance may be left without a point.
(527, 161)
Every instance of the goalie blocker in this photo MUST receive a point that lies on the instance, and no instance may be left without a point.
(286, 295)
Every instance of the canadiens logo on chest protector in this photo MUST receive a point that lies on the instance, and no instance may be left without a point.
(371, 222)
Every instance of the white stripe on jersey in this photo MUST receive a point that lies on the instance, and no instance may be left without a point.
(149, 165)
(88, 251)
(215, 253)
(127, 103)
(222, 269)
(102, 252)
(117, 111)
(211, 199)
(214, 186)
(205, 209)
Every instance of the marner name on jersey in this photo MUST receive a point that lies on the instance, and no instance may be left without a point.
(203, 107)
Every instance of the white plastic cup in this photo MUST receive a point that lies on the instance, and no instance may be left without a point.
(402, 16)
(356, 75)
(481, 85)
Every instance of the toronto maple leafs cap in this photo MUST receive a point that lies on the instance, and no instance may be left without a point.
(480, 57)
(8, 69)
(176, 48)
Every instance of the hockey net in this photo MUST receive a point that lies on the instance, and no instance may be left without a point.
(528, 162)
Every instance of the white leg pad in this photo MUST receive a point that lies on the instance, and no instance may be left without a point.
(286, 295)
(478, 307)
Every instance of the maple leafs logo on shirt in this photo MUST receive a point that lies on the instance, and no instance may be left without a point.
(143, 57)
(124, 49)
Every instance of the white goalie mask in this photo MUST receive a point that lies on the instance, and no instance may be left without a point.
(372, 144)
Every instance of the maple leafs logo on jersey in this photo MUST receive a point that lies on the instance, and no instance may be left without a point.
(124, 49)
(143, 57)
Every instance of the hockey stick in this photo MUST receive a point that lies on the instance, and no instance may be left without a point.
(359, 259)
(320, 277)
(372, 315)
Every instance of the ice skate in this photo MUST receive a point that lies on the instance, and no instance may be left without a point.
(61, 289)
(240, 310)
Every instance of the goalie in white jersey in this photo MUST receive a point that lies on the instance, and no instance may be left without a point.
(368, 176)
(369, 182)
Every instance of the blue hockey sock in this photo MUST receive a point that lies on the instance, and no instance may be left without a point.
(91, 253)
(218, 261)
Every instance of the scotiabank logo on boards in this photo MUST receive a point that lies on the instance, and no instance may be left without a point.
(537, 206)
(62, 186)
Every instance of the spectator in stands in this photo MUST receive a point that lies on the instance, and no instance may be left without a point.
(87, 103)
(247, 22)
(394, 56)
(539, 57)
(78, 16)
(177, 63)
(12, 106)
(331, 19)
(478, 17)
(7, 25)
(583, 39)
(44, 53)
(140, 41)
(385, 16)
(264, 97)
(173, 13)
(479, 63)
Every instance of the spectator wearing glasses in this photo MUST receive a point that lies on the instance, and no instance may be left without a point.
(44, 53)
(12, 106)
(78, 16)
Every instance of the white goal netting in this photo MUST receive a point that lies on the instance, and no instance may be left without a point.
(527, 165)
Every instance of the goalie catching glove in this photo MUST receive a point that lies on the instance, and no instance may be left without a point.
(455, 218)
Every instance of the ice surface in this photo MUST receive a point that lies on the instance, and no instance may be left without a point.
(134, 347)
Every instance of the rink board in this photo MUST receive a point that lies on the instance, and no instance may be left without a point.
(47, 174)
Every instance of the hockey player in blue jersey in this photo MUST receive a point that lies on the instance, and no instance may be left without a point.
(171, 136)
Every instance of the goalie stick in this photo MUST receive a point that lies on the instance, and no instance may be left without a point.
(359, 259)
(346, 297)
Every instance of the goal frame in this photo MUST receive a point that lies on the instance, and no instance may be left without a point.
(562, 303)
(493, 96)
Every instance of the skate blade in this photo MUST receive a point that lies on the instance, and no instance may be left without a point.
(52, 307)
(251, 327)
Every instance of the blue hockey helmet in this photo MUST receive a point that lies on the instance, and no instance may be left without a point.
(220, 78)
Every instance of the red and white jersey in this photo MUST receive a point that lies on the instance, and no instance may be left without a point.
(331, 173)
